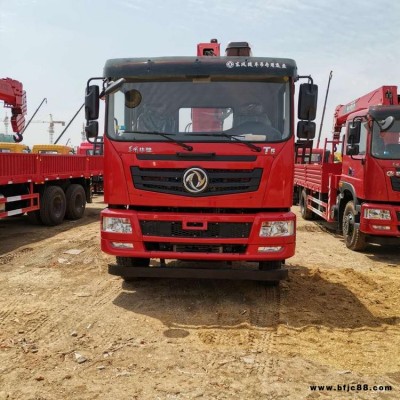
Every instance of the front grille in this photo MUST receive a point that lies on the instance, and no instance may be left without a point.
(395, 183)
(221, 181)
(214, 229)
(196, 248)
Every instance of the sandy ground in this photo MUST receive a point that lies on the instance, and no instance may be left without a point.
(69, 330)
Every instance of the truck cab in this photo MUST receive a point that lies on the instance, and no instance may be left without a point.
(361, 191)
(199, 155)
(371, 169)
(8, 147)
(91, 149)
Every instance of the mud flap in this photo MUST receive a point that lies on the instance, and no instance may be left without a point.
(198, 273)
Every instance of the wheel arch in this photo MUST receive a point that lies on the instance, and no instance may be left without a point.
(347, 193)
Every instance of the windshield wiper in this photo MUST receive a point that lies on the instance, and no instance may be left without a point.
(165, 135)
(234, 137)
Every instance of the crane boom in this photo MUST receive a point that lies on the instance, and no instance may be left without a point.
(384, 95)
(14, 97)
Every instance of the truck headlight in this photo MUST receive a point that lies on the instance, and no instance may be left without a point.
(377, 213)
(276, 228)
(117, 225)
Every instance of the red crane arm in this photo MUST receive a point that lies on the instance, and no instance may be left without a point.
(14, 97)
(383, 96)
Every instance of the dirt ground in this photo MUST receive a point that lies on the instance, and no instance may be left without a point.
(69, 330)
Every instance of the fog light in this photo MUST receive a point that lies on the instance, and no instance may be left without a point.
(117, 225)
(270, 249)
(122, 245)
(381, 227)
(276, 228)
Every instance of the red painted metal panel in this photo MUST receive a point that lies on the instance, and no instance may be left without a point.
(22, 168)
(316, 176)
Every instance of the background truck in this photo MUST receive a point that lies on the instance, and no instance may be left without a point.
(48, 187)
(199, 161)
(362, 192)
(94, 149)
(10, 147)
(52, 149)
(90, 149)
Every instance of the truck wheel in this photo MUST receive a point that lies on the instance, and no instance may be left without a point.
(76, 201)
(34, 217)
(304, 211)
(269, 266)
(354, 239)
(132, 262)
(52, 206)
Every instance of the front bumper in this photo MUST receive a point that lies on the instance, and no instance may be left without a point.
(381, 227)
(195, 241)
(198, 273)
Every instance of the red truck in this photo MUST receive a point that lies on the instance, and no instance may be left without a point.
(48, 187)
(199, 160)
(91, 149)
(362, 192)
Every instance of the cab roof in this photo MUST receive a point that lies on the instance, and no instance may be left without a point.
(177, 68)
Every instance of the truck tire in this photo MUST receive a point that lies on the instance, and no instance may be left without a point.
(132, 262)
(304, 211)
(52, 206)
(354, 239)
(269, 266)
(76, 201)
(34, 217)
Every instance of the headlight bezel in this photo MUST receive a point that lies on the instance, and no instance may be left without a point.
(377, 214)
(270, 229)
(116, 225)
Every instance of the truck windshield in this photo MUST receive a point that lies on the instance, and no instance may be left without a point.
(196, 111)
(386, 144)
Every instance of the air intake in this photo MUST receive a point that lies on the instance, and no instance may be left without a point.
(238, 49)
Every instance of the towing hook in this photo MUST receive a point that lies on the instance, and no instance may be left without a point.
(17, 137)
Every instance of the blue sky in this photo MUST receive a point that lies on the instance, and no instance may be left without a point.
(53, 47)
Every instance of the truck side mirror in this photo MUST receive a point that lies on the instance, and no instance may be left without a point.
(92, 129)
(354, 132)
(352, 149)
(92, 102)
(306, 130)
(308, 97)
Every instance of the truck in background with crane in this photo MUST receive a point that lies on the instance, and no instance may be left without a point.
(361, 192)
(48, 187)
(199, 160)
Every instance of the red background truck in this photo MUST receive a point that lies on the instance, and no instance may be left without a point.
(199, 156)
(48, 187)
(361, 193)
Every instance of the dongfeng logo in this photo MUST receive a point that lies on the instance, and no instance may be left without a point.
(195, 180)
(230, 64)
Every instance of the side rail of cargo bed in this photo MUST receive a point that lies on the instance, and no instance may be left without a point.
(316, 176)
(316, 188)
(129, 273)
(30, 201)
(18, 168)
